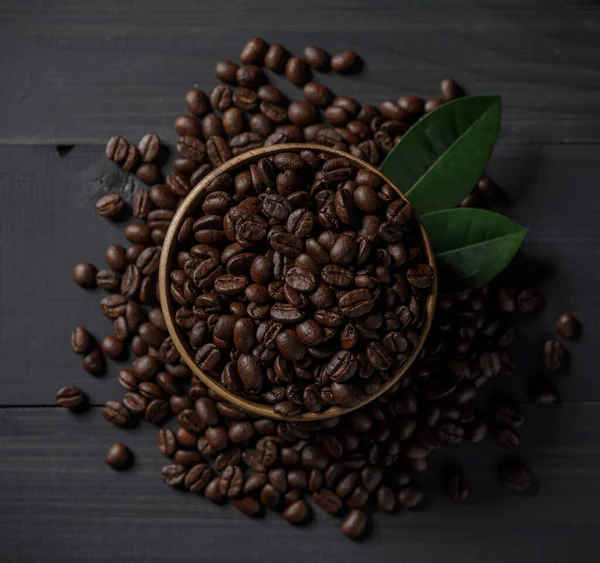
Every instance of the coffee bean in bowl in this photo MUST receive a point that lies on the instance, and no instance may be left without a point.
(297, 304)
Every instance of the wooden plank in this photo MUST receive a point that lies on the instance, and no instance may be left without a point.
(48, 223)
(60, 502)
(78, 72)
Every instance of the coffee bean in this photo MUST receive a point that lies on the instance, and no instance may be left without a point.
(174, 475)
(94, 362)
(413, 105)
(110, 205)
(81, 341)
(529, 300)
(317, 94)
(448, 89)
(254, 51)
(421, 276)
(568, 326)
(188, 125)
(118, 456)
(198, 478)
(149, 173)
(116, 413)
(149, 147)
(250, 76)
(197, 102)
(112, 347)
(297, 71)
(316, 57)
(248, 506)
(84, 275)
(70, 397)
(116, 149)
(166, 442)
(191, 148)
(554, 355)
(296, 512)
(345, 62)
(410, 496)
(231, 481)
(515, 476)
(507, 438)
(355, 522)
(455, 485)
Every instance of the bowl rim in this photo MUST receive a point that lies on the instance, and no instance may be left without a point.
(167, 303)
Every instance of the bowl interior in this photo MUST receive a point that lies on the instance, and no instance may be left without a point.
(190, 206)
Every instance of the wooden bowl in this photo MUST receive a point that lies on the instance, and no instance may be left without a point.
(168, 253)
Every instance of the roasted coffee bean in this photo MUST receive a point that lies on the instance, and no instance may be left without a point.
(94, 362)
(116, 149)
(197, 102)
(296, 512)
(149, 147)
(355, 523)
(254, 51)
(276, 57)
(70, 397)
(110, 205)
(198, 478)
(345, 62)
(554, 355)
(226, 72)
(316, 57)
(81, 341)
(568, 326)
(84, 274)
(231, 481)
(515, 476)
(248, 506)
(112, 347)
(410, 496)
(250, 76)
(455, 484)
(297, 71)
(116, 413)
(317, 94)
(118, 456)
(188, 126)
(167, 443)
(507, 438)
(529, 300)
(174, 475)
(510, 415)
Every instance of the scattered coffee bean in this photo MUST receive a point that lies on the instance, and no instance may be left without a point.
(554, 355)
(70, 397)
(568, 326)
(345, 62)
(515, 476)
(81, 341)
(355, 523)
(118, 456)
(84, 275)
(455, 484)
(110, 205)
(149, 147)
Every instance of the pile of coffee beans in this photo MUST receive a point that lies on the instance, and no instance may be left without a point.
(303, 296)
(369, 459)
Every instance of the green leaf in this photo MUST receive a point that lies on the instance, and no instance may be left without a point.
(441, 158)
(471, 246)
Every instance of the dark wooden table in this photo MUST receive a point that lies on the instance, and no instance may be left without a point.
(74, 73)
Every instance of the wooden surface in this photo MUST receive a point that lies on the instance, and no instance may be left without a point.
(76, 72)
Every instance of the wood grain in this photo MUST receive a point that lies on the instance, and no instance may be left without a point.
(81, 72)
(77, 72)
(61, 503)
